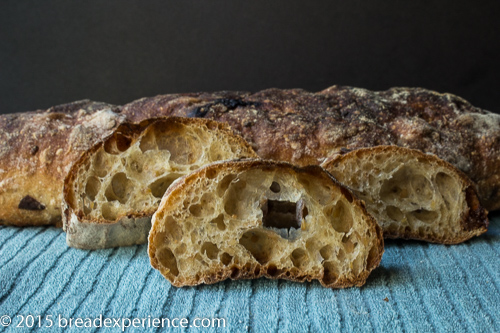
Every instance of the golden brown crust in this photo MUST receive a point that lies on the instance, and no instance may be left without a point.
(38, 148)
(473, 222)
(256, 270)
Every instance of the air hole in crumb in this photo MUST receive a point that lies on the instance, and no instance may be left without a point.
(311, 245)
(117, 144)
(331, 273)
(275, 187)
(425, 216)
(92, 187)
(299, 257)
(226, 258)
(119, 189)
(210, 249)
(326, 252)
(108, 211)
(235, 272)
(101, 163)
(195, 210)
(283, 215)
(340, 217)
(394, 213)
(160, 186)
(341, 255)
(219, 221)
(211, 173)
(224, 184)
(259, 244)
(147, 141)
(272, 270)
(168, 260)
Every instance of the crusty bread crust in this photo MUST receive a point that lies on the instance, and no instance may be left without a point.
(37, 150)
(175, 203)
(130, 225)
(471, 218)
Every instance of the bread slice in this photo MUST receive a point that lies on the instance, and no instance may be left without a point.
(411, 194)
(113, 190)
(248, 219)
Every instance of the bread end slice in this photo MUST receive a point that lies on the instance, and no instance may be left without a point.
(248, 219)
(411, 194)
(115, 187)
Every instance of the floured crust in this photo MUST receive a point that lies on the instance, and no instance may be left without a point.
(37, 150)
(411, 194)
(112, 191)
(205, 230)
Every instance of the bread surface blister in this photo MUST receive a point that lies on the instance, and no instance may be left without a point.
(248, 219)
(114, 188)
(411, 194)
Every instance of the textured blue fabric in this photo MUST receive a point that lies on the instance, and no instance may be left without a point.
(419, 287)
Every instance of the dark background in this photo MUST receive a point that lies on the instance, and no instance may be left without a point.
(57, 51)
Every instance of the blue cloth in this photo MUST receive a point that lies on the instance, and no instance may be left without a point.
(419, 287)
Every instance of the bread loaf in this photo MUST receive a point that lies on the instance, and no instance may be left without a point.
(412, 194)
(290, 125)
(113, 190)
(249, 219)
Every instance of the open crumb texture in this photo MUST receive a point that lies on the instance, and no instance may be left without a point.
(258, 218)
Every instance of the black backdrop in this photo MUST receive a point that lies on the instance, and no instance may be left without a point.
(56, 51)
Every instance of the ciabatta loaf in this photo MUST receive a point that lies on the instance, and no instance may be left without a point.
(249, 219)
(114, 188)
(412, 194)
